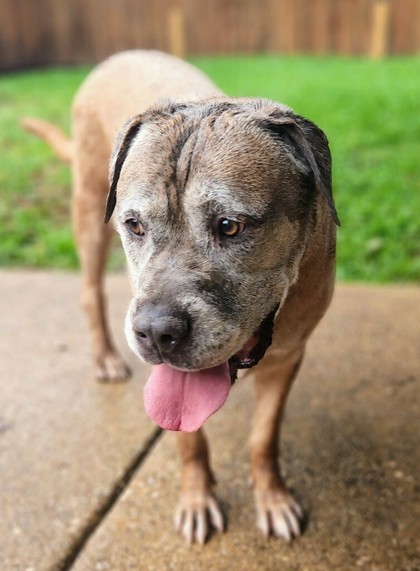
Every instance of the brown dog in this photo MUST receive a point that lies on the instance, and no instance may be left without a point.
(225, 212)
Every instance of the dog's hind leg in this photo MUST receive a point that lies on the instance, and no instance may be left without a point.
(198, 506)
(93, 238)
(277, 512)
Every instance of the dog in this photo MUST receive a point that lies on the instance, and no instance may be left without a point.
(225, 212)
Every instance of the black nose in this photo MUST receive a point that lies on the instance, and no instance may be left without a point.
(160, 328)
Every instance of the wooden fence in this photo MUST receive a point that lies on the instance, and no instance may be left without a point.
(43, 32)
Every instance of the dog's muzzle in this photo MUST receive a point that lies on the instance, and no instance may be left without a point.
(179, 399)
(160, 331)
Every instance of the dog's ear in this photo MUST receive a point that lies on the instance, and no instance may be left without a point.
(122, 145)
(309, 145)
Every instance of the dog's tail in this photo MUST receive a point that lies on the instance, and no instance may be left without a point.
(58, 141)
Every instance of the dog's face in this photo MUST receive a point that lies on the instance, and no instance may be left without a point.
(214, 203)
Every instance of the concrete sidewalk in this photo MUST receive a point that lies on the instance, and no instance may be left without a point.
(88, 483)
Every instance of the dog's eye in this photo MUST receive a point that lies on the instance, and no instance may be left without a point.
(135, 226)
(230, 228)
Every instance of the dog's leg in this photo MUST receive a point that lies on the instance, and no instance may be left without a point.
(93, 237)
(197, 506)
(277, 512)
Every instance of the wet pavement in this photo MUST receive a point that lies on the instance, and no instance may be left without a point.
(88, 483)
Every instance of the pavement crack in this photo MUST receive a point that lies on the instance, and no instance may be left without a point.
(95, 520)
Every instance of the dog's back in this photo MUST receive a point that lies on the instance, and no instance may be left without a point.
(130, 82)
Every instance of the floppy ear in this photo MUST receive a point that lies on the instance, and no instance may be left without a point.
(119, 153)
(310, 146)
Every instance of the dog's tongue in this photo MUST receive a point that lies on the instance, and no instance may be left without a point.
(180, 400)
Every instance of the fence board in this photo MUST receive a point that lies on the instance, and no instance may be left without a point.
(72, 31)
(319, 27)
(286, 27)
(11, 53)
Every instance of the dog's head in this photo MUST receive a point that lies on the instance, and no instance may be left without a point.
(214, 202)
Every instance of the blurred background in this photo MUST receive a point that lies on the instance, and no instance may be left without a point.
(49, 32)
(351, 66)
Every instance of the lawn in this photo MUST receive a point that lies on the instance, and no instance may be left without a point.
(368, 109)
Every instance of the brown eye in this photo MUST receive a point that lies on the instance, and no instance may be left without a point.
(230, 228)
(135, 226)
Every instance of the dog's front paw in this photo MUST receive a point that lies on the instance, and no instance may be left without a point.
(197, 512)
(110, 368)
(278, 513)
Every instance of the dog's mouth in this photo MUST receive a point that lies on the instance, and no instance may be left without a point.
(183, 400)
(254, 349)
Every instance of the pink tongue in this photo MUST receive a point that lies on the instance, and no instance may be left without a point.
(179, 400)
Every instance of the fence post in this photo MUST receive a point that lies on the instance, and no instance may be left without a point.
(380, 29)
(176, 29)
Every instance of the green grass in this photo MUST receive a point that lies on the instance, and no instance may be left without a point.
(34, 185)
(368, 109)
